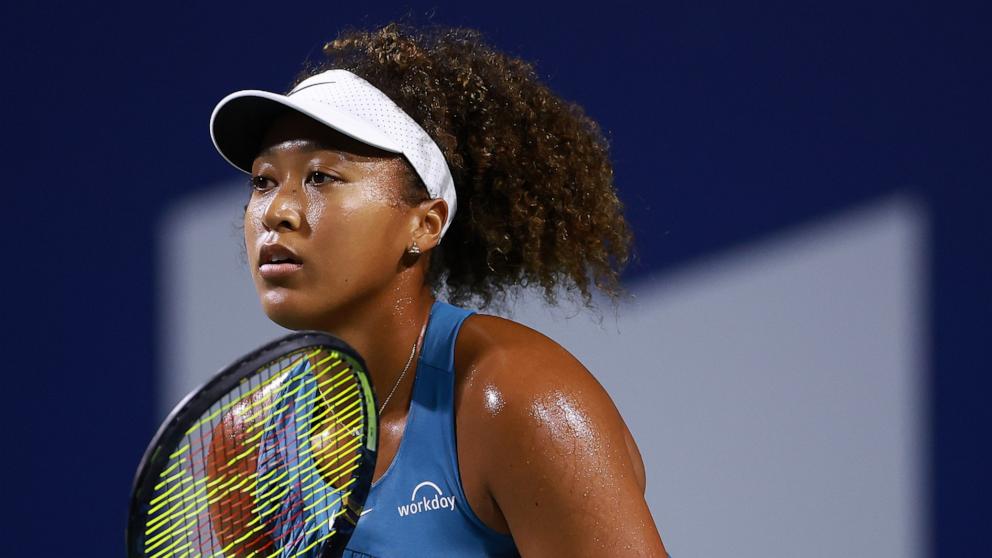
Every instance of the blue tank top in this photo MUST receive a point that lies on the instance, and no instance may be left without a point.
(417, 507)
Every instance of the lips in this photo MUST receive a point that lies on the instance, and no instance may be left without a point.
(276, 261)
(276, 253)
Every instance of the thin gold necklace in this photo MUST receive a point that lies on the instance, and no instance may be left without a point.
(409, 360)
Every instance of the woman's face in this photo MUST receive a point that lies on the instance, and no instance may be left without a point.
(324, 227)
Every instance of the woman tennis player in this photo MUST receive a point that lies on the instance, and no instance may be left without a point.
(413, 162)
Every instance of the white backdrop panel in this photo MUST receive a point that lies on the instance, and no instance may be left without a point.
(775, 390)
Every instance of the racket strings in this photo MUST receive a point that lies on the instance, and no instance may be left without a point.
(266, 471)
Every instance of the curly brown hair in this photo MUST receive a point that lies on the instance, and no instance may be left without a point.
(536, 201)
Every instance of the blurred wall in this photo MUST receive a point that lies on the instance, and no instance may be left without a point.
(775, 390)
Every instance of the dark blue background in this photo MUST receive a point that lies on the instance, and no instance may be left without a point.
(726, 122)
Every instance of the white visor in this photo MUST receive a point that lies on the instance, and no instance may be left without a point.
(344, 102)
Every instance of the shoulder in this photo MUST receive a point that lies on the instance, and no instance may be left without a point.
(518, 361)
(549, 443)
(519, 386)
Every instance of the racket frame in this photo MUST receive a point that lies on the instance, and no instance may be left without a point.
(195, 403)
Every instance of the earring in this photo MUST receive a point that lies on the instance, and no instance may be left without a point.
(413, 250)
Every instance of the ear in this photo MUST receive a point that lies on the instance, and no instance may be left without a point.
(431, 216)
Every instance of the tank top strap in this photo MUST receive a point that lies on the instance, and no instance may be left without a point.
(442, 329)
(429, 433)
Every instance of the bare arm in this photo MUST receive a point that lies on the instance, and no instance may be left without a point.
(563, 468)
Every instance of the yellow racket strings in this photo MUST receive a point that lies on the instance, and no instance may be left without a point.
(267, 469)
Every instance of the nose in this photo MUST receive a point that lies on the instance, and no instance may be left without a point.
(285, 210)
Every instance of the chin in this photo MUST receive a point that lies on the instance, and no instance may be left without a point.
(288, 311)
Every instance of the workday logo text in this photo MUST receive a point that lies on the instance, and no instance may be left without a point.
(429, 501)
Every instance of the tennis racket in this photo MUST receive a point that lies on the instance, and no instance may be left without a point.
(273, 457)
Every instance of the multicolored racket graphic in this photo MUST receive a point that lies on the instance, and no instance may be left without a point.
(272, 458)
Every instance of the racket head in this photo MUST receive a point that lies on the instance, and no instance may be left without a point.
(273, 455)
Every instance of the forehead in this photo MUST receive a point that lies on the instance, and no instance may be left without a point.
(293, 131)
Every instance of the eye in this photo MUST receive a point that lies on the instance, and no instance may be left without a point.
(261, 183)
(318, 178)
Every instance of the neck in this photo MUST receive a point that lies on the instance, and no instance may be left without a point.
(383, 330)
